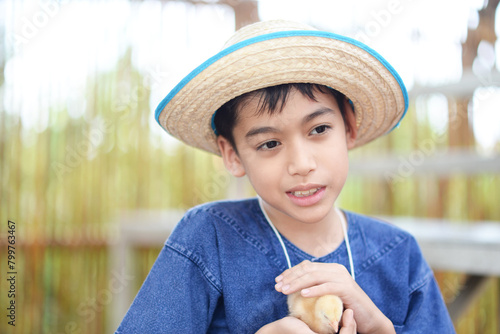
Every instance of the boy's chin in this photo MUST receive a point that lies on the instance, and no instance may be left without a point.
(306, 214)
(314, 214)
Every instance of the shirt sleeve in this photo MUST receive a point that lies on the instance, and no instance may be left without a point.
(178, 296)
(427, 312)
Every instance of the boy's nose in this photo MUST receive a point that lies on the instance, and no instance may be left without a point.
(300, 161)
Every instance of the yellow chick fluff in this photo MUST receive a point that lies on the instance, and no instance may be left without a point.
(321, 314)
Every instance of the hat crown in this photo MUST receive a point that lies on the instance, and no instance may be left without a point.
(280, 52)
(263, 28)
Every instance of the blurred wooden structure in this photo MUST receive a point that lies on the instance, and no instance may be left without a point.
(438, 163)
(68, 248)
(472, 248)
(139, 228)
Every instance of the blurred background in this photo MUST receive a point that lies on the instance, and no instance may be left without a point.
(93, 184)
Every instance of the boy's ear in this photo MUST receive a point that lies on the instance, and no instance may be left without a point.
(351, 130)
(230, 157)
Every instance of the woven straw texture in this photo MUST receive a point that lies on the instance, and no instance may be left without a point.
(378, 98)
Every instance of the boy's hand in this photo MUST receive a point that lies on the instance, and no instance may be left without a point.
(288, 325)
(291, 325)
(348, 323)
(318, 279)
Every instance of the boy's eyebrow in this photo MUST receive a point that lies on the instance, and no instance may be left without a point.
(317, 113)
(308, 118)
(264, 129)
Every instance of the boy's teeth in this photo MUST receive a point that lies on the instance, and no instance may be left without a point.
(305, 193)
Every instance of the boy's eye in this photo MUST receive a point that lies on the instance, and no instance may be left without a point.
(319, 129)
(269, 145)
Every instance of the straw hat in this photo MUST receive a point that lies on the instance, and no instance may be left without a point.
(277, 52)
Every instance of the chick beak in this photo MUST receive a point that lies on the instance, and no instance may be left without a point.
(335, 325)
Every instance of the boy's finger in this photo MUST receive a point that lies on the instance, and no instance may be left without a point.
(348, 323)
(318, 290)
(299, 270)
(295, 270)
(308, 280)
(309, 274)
(284, 279)
(308, 266)
(320, 276)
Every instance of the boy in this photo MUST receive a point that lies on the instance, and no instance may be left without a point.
(283, 104)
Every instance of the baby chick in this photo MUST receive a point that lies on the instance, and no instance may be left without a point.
(321, 314)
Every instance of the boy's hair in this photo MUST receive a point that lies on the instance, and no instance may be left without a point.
(271, 100)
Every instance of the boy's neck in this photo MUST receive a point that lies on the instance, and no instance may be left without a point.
(318, 239)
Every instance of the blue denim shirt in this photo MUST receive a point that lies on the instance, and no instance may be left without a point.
(216, 274)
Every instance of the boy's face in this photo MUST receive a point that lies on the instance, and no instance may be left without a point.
(296, 160)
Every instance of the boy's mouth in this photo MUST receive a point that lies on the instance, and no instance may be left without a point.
(305, 193)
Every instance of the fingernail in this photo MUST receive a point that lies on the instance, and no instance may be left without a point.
(279, 278)
(305, 292)
(286, 287)
(278, 286)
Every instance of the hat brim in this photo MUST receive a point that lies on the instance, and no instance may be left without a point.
(376, 90)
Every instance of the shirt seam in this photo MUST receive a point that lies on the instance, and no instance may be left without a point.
(197, 261)
(389, 247)
(420, 283)
(247, 237)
